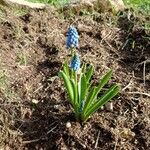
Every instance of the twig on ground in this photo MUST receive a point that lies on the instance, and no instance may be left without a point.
(31, 141)
(140, 93)
(127, 86)
(25, 3)
(112, 49)
(41, 138)
(144, 68)
(52, 129)
(96, 143)
(144, 72)
(116, 143)
(38, 89)
(105, 37)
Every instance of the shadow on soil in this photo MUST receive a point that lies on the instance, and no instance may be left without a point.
(135, 47)
(45, 120)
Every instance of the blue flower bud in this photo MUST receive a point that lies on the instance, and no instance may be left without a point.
(75, 62)
(72, 38)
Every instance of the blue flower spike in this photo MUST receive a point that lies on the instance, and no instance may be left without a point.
(72, 38)
(75, 62)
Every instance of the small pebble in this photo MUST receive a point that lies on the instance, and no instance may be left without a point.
(102, 107)
(56, 106)
(109, 106)
(34, 101)
(68, 125)
(126, 133)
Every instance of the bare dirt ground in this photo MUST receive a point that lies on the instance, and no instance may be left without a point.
(33, 104)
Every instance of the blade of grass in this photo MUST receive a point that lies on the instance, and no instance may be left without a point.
(101, 101)
(66, 68)
(83, 68)
(103, 81)
(89, 99)
(89, 73)
(68, 86)
(75, 91)
(82, 88)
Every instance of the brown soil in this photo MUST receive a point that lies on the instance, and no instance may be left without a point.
(34, 109)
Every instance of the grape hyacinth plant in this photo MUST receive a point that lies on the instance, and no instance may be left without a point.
(83, 96)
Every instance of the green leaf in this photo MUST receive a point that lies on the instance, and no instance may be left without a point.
(82, 88)
(83, 68)
(89, 99)
(72, 76)
(89, 73)
(102, 100)
(66, 68)
(103, 81)
(75, 91)
(68, 86)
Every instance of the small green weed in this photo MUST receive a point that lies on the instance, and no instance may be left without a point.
(52, 2)
(140, 5)
(21, 59)
(3, 79)
(17, 11)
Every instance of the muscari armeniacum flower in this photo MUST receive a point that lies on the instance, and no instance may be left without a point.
(75, 62)
(72, 38)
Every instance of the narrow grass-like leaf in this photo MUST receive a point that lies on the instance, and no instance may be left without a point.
(71, 74)
(75, 91)
(89, 73)
(68, 86)
(101, 101)
(89, 99)
(79, 86)
(66, 68)
(84, 68)
(83, 88)
(102, 82)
